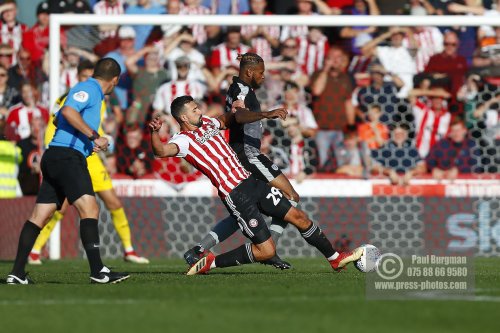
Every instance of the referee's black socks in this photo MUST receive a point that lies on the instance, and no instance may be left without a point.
(89, 234)
(27, 239)
(314, 236)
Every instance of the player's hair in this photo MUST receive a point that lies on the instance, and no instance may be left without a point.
(177, 106)
(106, 69)
(84, 65)
(249, 60)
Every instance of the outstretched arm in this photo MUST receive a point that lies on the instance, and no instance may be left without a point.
(159, 148)
(245, 116)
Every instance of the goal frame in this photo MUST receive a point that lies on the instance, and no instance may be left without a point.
(59, 20)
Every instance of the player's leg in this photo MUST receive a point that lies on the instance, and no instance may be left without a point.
(30, 231)
(77, 187)
(282, 183)
(121, 224)
(43, 237)
(263, 169)
(242, 205)
(102, 185)
(220, 232)
(48, 200)
(272, 203)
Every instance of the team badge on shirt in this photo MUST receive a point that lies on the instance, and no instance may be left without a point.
(81, 96)
(253, 223)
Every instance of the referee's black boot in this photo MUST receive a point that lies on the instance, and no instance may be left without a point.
(106, 276)
(13, 279)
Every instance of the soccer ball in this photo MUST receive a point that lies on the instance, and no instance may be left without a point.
(369, 259)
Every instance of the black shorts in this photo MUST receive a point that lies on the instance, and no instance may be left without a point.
(65, 175)
(248, 200)
(261, 167)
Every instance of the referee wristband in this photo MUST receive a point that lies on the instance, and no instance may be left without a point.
(94, 136)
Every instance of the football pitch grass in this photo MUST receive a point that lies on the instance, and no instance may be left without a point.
(252, 298)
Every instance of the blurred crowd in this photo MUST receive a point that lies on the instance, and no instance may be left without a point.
(363, 101)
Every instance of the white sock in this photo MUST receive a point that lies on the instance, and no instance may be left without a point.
(35, 251)
(333, 257)
(129, 249)
(212, 265)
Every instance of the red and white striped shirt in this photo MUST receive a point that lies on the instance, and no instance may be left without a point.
(198, 31)
(297, 163)
(295, 31)
(206, 150)
(260, 45)
(429, 42)
(103, 7)
(13, 37)
(167, 92)
(222, 56)
(430, 127)
(20, 117)
(311, 56)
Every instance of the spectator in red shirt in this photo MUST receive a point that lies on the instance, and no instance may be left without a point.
(448, 66)
(134, 156)
(36, 39)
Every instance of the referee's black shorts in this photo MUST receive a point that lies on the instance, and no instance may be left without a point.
(260, 166)
(65, 175)
(248, 200)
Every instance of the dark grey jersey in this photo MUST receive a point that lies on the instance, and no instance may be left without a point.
(244, 138)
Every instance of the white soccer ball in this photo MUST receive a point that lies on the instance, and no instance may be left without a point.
(369, 259)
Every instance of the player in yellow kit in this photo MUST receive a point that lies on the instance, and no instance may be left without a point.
(103, 187)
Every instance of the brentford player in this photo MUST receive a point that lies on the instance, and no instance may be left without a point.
(201, 144)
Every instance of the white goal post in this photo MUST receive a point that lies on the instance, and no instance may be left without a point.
(58, 20)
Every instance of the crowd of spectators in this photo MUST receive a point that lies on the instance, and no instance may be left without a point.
(363, 101)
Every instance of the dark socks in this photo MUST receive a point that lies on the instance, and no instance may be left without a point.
(222, 230)
(89, 234)
(314, 236)
(239, 256)
(27, 239)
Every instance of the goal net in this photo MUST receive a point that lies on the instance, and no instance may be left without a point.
(448, 216)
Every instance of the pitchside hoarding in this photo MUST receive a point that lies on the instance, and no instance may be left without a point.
(460, 218)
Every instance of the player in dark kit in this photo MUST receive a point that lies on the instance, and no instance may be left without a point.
(65, 173)
(245, 139)
(245, 197)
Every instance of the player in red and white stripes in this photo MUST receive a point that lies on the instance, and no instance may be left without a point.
(201, 144)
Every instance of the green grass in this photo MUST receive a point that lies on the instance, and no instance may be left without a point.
(253, 298)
